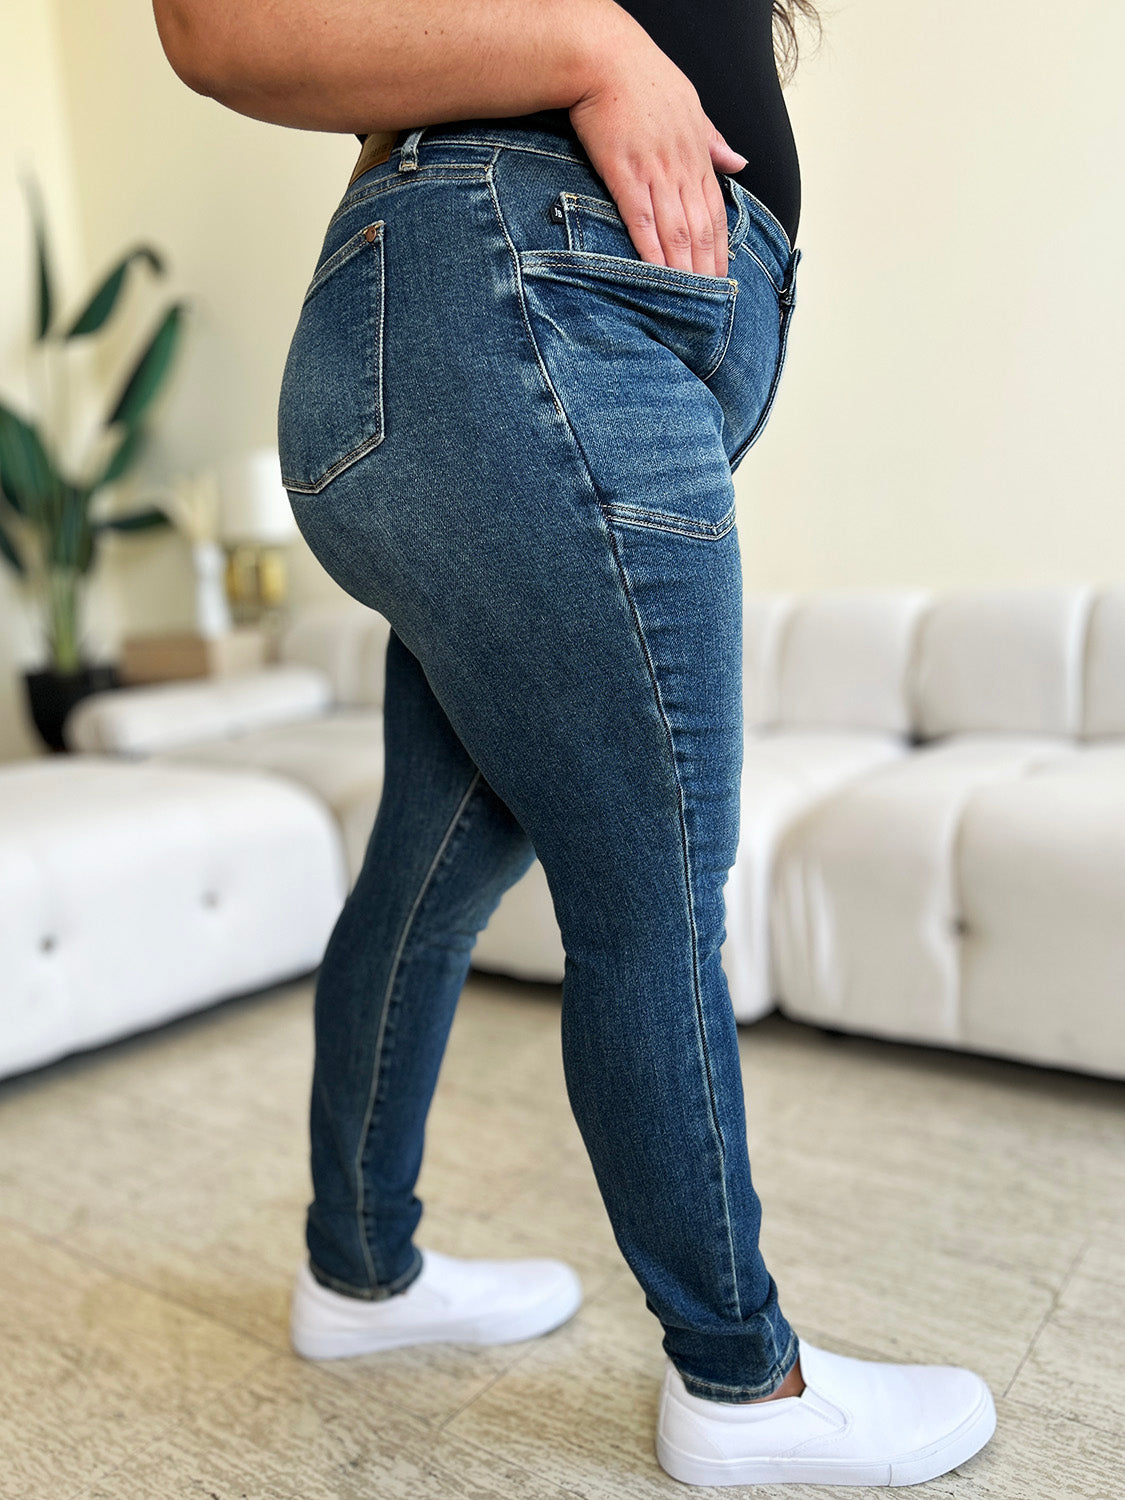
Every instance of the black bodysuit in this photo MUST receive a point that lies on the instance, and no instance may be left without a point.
(726, 48)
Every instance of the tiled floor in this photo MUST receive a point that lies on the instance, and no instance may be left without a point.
(919, 1205)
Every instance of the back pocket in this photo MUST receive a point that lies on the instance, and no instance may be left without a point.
(330, 410)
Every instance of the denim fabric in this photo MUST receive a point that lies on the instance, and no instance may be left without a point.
(514, 438)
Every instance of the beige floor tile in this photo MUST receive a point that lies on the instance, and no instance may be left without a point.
(94, 1368)
(292, 1433)
(1076, 1366)
(562, 1210)
(918, 1205)
(233, 1068)
(69, 1157)
(1104, 1259)
(580, 1409)
(510, 1046)
(1033, 1456)
(224, 1240)
(1062, 1129)
(481, 1154)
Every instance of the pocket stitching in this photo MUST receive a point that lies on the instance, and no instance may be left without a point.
(340, 257)
(440, 171)
(658, 520)
(636, 270)
(336, 262)
(606, 210)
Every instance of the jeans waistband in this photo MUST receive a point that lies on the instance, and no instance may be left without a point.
(556, 136)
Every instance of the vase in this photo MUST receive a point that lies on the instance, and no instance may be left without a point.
(212, 612)
(51, 695)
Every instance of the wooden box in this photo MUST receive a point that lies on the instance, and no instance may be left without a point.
(180, 654)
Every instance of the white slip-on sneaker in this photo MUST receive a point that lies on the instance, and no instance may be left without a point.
(856, 1422)
(450, 1301)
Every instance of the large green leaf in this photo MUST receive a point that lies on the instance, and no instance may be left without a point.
(69, 540)
(148, 373)
(44, 294)
(104, 299)
(9, 553)
(86, 546)
(137, 520)
(123, 456)
(27, 475)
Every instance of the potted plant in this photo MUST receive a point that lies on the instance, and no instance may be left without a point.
(49, 524)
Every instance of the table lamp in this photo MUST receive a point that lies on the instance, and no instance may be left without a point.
(255, 524)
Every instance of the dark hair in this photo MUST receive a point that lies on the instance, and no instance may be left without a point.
(785, 14)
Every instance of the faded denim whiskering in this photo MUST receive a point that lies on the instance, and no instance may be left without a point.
(511, 436)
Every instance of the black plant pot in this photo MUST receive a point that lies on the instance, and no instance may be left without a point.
(51, 695)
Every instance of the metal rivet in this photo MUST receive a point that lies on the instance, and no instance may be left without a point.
(371, 234)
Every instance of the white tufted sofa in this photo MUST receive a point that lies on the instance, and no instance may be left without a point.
(130, 894)
(933, 806)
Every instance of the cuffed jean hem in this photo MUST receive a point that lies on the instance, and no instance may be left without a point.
(733, 1390)
(369, 1293)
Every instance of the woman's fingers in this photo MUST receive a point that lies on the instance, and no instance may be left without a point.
(659, 162)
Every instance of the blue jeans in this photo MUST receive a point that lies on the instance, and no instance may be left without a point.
(513, 438)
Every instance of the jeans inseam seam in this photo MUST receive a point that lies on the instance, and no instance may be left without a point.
(361, 1149)
(701, 1027)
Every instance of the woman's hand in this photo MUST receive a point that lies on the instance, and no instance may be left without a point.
(645, 132)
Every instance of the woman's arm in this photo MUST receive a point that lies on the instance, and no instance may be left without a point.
(361, 65)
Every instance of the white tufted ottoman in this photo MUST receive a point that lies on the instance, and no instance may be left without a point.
(131, 893)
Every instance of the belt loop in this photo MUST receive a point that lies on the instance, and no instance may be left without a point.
(788, 291)
(408, 161)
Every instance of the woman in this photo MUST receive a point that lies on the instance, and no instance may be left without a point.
(546, 325)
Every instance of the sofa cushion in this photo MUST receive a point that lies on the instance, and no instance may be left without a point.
(842, 662)
(134, 892)
(1105, 666)
(1040, 866)
(168, 715)
(1004, 660)
(339, 756)
(866, 918)
(764, 617)
(784, 774)
(348, 643)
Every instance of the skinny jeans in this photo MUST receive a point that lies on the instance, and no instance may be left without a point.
(513, 438)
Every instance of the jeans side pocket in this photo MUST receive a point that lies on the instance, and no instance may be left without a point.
(330, 409)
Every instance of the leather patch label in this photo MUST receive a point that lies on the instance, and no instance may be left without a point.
(376, 148)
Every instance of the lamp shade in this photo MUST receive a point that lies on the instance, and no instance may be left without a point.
(253, 502)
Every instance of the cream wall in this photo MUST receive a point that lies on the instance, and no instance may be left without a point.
(34, 137)
(947, 414)
(950, 410)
